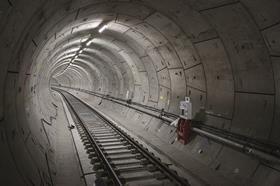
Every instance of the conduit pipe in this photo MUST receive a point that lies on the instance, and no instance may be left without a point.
(243, 148)
(235, 145)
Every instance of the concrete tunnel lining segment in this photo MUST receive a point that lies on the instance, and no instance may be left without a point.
(223, 54)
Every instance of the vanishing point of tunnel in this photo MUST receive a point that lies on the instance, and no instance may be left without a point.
(139, 92)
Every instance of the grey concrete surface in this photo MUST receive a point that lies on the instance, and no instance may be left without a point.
(68, 170)
(224, 54)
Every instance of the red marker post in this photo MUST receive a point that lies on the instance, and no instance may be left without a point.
(184, 122)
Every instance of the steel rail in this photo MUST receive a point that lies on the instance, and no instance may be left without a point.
(172, 175)
(115, 177)
(259, 148)
(234, 136)
(164, 118)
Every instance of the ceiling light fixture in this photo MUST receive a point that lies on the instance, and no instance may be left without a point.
(102, 28)
(85, 38)
(88, 43)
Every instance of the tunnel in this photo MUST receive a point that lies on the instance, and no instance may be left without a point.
(130, 60)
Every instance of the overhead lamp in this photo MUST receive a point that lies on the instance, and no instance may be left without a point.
(88, 43)
(84, 39)
(102, 28)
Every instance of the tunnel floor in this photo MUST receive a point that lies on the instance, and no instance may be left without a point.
(130, 166)
(176, 160)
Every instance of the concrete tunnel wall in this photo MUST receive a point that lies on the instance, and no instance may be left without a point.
(224, 54)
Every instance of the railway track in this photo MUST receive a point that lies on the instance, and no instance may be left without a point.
(117, 158)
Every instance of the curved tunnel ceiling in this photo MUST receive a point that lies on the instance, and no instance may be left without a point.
(223, 54)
